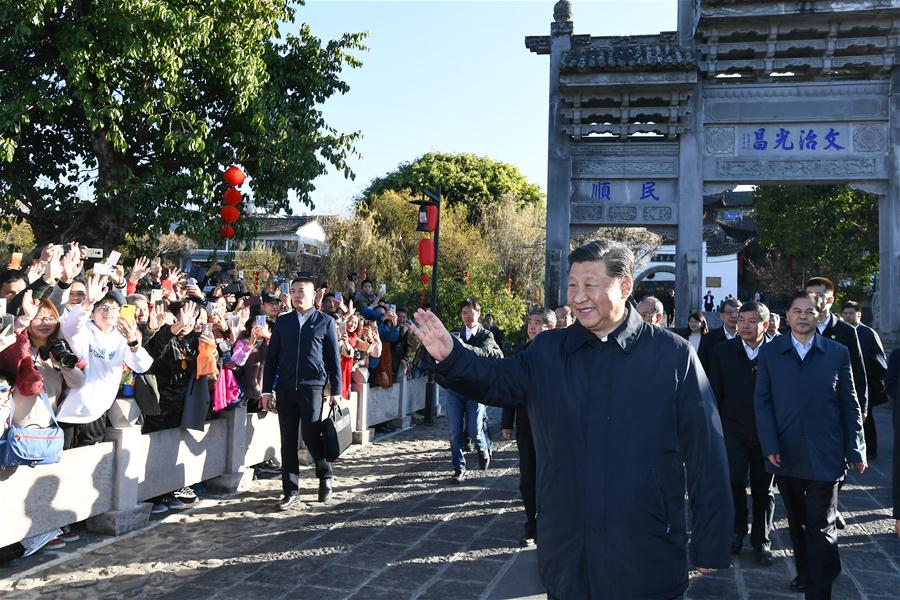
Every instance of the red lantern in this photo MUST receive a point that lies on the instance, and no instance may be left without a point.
(229, 213)
(234, 176)
(227, 231)
(233, 196)
(424, 278)
(432, 211)
(426, 252)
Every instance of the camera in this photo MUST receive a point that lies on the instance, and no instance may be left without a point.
(59, 350)
(352, 277)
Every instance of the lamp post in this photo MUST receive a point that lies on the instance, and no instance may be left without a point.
(430, 220)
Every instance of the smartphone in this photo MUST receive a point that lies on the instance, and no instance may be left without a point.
(212, 308)
(15, 261)
(113, 258)
(127, 313)
(240, 274)
(285, 288)
(166, 284)
(191, 281)
(104, 269)
(93, 252)
(2, 306)
(382, 288)
(6, 322)
(342, 325)
(260, 320)
(156, 296)
(207, 329)
(393, 309)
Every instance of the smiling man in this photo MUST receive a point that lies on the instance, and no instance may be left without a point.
(619, 411)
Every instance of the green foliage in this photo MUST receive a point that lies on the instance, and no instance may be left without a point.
(382, 242)
(825, 230)
(145, 102)
(474, 182)
(18, 238)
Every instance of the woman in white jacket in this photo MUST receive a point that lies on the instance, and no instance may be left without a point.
(98, 336)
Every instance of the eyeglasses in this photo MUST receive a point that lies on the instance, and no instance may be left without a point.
(108, 308)
(5, 388)
(46, 320)
(649, 315)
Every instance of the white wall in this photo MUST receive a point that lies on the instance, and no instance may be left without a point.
(724, 267)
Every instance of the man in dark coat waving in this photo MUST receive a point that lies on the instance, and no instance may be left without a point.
(619, 410)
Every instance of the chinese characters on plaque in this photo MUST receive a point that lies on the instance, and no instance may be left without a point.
(794, 139)
(605, 190)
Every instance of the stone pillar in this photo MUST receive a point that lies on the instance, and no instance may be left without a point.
(686, 16)
(888, 304)
(128, 513)
(362, 434)
(689, 247)
(236, 477)
(559, 165)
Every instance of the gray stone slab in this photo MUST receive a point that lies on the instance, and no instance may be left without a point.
(251, 591)
(225, 576)
(521, 580)
(442, 589)
(404, 576)
(480, 570)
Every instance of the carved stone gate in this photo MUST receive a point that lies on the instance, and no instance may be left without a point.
(745, 92)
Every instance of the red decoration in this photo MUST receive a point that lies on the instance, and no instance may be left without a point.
(233, 196)
(227, 231)
(229, 213)
(426, 252)
(432, 211)
(424, 279)
(234, 176)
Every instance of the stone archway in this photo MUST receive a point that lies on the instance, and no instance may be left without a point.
(653, 271)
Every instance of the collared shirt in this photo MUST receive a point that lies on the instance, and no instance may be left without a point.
(821, 327)
(470, 331)
(752, 352)
(729, 336)
(802, 349)
(301, 318)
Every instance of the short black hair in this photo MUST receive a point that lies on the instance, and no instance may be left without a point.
(9, 377)
(823, 281)
(851, 304)
(616, 257)
(11, 275)
(365, 281)
(732, 302)
(817, 300)
(470, 302)
(761, 310)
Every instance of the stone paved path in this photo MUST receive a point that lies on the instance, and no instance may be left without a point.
(396, 529)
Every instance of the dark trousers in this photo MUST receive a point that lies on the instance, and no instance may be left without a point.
(528, 479)
(745, 454)
(811, 508)
(76, 435)
(871, 434)
(300, 411)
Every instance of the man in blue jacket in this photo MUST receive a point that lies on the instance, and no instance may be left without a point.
(303, 356)
(810, 427)
(619, 411)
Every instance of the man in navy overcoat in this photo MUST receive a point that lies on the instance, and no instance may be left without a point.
(622, 415)
(810, 427)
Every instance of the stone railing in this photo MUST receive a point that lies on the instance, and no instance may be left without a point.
(109, 484)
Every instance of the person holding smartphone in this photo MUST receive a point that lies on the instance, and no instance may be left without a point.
(304, 357)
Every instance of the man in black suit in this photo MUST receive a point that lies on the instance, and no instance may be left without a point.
(834, 329)
(466, 415)
(728, 312)
(875, 361)
(892, 386)
(304, 355)
(732, 376)
(810, 428)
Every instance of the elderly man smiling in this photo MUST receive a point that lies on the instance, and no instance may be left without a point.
(619, 411)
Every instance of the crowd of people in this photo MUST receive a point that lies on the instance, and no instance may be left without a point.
(77, 337)
(750, 404)
(753, 405)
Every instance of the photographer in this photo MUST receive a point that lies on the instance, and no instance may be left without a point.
(97, 334)
(49, 365)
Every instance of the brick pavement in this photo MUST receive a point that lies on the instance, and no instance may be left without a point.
(397, 529)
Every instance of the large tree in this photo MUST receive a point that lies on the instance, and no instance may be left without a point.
(123, 114)
(817, 230)
(475, 182)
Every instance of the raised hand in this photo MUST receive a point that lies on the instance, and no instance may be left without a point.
(95, 290)
(53, 270)
(71, 263)
(140, 269)
(176, 274)
(432, 333)
(34, 272)
(156, 316)
(29, 306)
(129, 331)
